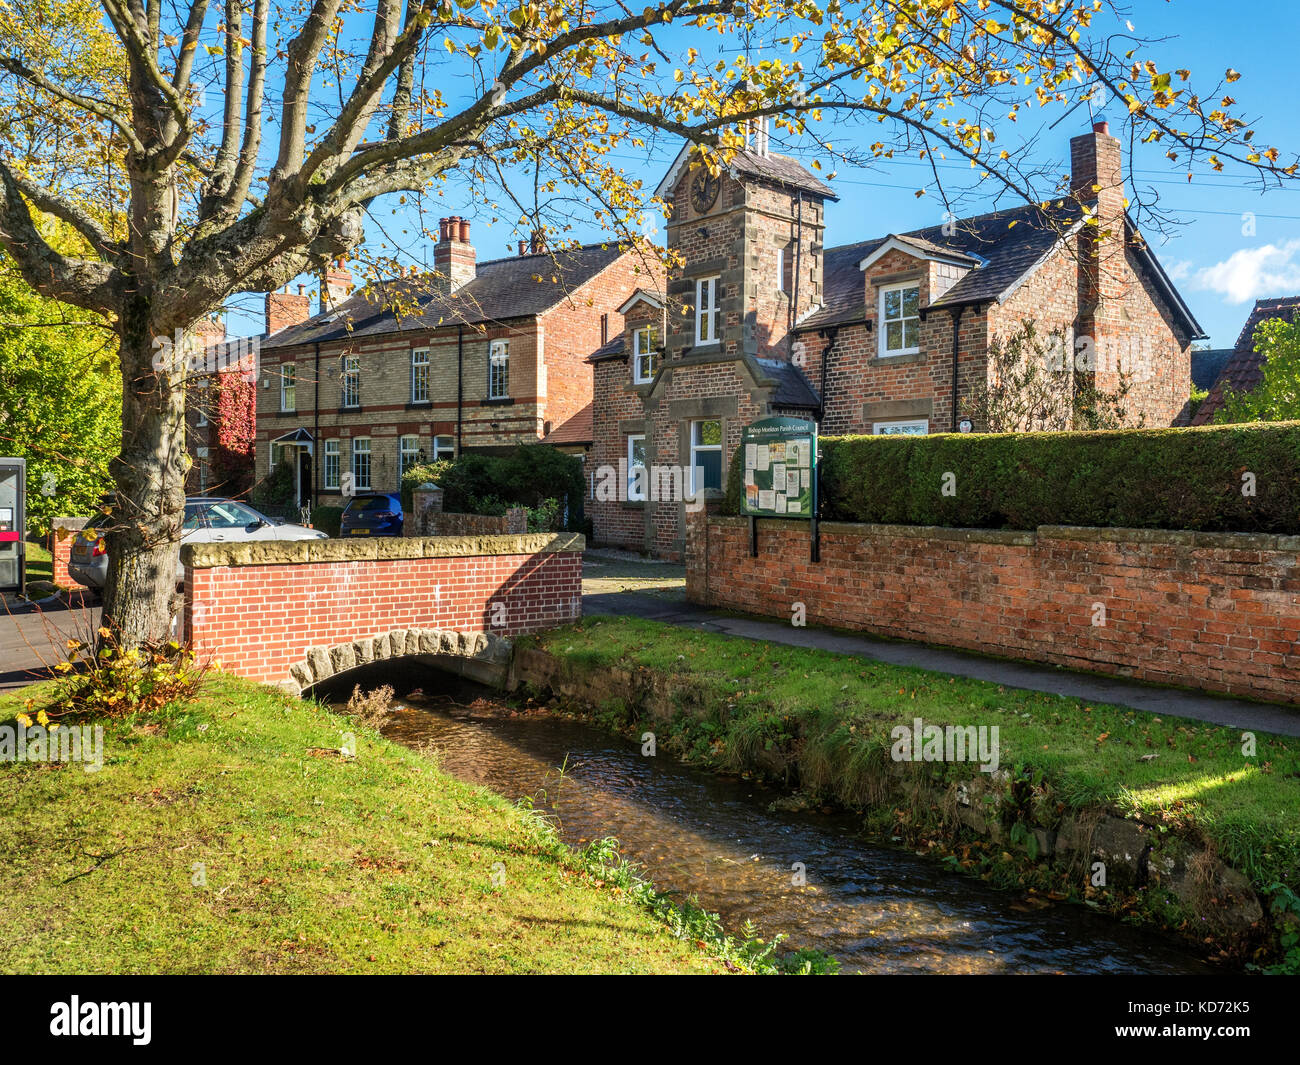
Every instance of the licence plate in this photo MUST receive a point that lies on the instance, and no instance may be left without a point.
(81, 549)
(360, 532)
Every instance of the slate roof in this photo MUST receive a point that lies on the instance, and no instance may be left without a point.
(520, 286)
(611, 350)
(782, 170)
(1009, 243)
(1244, 369)
(778, 169)
(577, 430)
(793, 389)
(1008, 251)
(1207, 364)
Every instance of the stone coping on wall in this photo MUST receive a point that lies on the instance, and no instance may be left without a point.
(289, 552)
(1219, 541)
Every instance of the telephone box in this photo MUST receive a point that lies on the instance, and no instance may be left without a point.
(13, 524)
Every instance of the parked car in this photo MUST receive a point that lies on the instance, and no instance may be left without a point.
(208, 519)
(379, 514)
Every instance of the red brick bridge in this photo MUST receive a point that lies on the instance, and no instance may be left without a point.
(297, 613)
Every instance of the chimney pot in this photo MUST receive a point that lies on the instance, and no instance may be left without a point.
(1101, 126)
(464, 230)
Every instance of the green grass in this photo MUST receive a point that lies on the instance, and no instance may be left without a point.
(314, 862)
(765, 705)
(40, 564)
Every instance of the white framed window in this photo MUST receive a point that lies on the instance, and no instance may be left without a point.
(914, 427)
(351, 389)
(408, 454)
(707, 317)
(288, 387)
(644, 357)
(202, 455)
(420, 375)
(636, 468)
(444, 447)
(900, 318)
(361, 462)
(331, 463)
(499, 369)
(706, 454)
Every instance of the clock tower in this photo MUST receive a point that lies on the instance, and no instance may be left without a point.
(751, 239)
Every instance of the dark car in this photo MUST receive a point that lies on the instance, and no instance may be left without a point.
(373, 515)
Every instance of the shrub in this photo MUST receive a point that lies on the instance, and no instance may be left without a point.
(530, 475)
(433, 472)
(1198, 479)
(275, 490)
(113, 681)
(327, 519)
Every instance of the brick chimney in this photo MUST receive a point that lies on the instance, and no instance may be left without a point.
(284, 309)
(454, 257)
(1096, 171)
(1097, 181)
(336, 285)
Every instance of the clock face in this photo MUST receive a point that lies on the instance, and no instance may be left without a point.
(704, 190)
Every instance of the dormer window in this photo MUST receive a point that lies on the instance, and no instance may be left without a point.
(900, 319)
(645, 359)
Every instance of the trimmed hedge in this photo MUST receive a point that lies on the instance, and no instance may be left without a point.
(1132, 478)
(529, 475)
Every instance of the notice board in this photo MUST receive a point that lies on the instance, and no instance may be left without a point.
(779, 468)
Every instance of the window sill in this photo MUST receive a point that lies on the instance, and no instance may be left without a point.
(901, 358)
(284, 414)
(350, 410)
(422, 404)
(499, 401)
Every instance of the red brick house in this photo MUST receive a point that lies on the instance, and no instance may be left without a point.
(886, 335)
(476, 356)
(219, 413)
(1243, 369)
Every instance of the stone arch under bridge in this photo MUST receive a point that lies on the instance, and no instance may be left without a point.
(480, 656)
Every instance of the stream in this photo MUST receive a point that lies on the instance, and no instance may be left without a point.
(876, 909)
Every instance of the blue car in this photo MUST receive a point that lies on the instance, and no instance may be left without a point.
(373, 515)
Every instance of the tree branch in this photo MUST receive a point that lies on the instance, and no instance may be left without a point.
(85, 284)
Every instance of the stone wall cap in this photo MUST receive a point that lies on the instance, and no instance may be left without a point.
(291, 552)
(1221, 541)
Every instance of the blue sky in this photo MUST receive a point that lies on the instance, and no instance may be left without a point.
(1233, 244)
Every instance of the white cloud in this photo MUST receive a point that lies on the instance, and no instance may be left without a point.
(1251, 273)
(1179, 269)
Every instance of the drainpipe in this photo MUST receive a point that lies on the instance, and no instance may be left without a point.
(955, 315)
(315, 432)
(460, 383)
(831, 336)
(793, 315)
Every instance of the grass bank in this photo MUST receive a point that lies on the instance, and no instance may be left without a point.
(824, 722)
(230, 835)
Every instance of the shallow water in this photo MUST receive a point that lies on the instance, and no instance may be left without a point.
(878, 910)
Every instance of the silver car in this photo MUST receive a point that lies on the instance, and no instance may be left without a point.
(207, 520)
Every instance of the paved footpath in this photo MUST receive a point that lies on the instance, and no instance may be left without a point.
(1094, 688)
(29, 636)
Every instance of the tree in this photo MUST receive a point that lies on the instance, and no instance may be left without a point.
(183, 200)
(1277, 397)
(60, 395)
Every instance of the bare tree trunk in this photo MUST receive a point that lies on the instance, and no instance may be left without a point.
(144, 539)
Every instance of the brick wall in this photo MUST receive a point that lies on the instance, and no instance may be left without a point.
(62, 532)
(1219, 611)
(259, 608)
